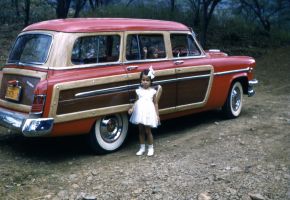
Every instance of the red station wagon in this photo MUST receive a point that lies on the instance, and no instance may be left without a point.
(78, 76)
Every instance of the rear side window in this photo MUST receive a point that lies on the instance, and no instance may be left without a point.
(96, 49)
(30, 49)
(145, 46)
(183, 45)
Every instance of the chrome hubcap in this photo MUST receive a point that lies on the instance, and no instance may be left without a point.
(111, 128)
(236, 99)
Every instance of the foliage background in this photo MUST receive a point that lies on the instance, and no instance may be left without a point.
(236, 26)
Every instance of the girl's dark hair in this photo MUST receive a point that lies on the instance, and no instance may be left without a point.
(145, 72)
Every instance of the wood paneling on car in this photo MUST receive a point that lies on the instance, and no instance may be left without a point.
(192, 87)
(97, 96)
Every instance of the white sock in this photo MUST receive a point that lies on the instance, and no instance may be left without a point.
(150, 146)
(142, 147)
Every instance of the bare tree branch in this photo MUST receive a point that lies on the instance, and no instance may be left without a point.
(129, 2)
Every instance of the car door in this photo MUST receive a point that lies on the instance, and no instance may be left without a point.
(143, 50)
(193, 76)
(97, 84)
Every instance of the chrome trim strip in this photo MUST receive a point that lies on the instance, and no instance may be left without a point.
(188, 57)
(106, 91)
(145, 60)
(193, 77)
(134, 86)
(113, 63)
(87, 66)
(26, 65)
(231, 71)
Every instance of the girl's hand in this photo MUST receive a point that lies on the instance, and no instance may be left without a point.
(130, 111)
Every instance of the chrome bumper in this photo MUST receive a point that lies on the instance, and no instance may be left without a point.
(30, 127)
(251, 84)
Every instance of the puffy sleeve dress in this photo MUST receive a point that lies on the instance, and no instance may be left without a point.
(144, 110)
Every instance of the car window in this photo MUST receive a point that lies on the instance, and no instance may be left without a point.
(96, 49)
(30, 49)
(145, 46)
(183, 45)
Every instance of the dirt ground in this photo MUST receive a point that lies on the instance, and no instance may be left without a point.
(200, 156)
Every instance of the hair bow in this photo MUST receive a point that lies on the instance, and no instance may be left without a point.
(151, 72)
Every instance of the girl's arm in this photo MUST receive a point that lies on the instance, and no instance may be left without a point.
(130, 111)
(156, 106)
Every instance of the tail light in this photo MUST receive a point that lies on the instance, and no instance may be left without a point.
(38, 104)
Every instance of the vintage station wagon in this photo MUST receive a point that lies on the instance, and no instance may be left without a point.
(78, 76)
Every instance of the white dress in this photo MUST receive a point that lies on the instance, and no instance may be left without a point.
(144, 110)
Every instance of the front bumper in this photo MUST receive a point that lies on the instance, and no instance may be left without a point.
(251, 83)
(30, 127)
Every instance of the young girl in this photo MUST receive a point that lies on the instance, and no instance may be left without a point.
(145, 111)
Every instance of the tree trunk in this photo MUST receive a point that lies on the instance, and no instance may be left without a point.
(16, 4)
(27, 12)
(79, 6)
(62, 8)
(208, 9)
(172, 5)
(92, 5)
(196, 19)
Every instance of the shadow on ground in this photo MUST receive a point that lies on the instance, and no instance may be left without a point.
(65, 148)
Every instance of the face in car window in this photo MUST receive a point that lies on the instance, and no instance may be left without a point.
(145, 46)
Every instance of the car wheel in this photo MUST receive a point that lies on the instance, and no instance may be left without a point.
(109, 133)
(233, 105)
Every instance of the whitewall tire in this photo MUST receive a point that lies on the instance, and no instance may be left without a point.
(234, 103)
(109, 133)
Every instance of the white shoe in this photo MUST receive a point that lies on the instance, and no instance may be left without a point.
(150, 152)
(140, 152)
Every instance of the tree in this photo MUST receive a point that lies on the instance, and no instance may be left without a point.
(202, 14)
(79, 4)
(16, 5)
(27, 12)
(129, 2)
(172, 5)
(208, 7)
(265, 11)
(95, 3)
(195, 6)
(62, 8)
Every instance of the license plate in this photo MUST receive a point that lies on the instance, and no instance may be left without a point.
(13, 93)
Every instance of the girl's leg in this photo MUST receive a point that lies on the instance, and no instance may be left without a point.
(141, 133)
(150, 141)
(141, 140)
(149, 135)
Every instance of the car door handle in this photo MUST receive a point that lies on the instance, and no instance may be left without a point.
(178, 62)
(130, 68)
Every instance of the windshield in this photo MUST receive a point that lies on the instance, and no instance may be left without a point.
(30, 49)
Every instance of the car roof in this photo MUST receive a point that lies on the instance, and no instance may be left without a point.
(81, 25)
